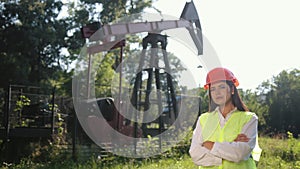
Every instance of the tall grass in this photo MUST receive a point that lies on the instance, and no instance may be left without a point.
(278, 153)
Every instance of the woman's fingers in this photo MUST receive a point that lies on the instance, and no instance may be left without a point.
(241, 138)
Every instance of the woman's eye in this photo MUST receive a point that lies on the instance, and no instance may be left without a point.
(222, 87)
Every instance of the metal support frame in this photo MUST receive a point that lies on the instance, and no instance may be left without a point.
(153, 73)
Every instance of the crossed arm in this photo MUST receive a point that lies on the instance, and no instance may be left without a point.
(240, 138)
(208, 153)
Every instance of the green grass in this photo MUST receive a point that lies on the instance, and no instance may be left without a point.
(277, 154)
(280, 153)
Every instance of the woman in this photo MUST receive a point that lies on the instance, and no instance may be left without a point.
(226, 136)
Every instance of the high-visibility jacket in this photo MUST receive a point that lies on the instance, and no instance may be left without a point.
(212, 131)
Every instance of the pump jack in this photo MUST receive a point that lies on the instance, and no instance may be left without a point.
(106, 36)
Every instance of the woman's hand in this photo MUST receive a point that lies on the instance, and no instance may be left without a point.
(208, 144)
(241, 138)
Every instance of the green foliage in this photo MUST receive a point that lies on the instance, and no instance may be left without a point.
(23, 101)
(103, 79)
(276, 103)
(204, 100)
(254, 103)
(203, 94)
(282, 96)
(276, 154)
(20, 103)
(293, 150)
(279, 153)
(32, 38)
(39, 44)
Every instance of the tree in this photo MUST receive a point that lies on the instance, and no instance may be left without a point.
(275, 102)
(38, 45)
(255, 103)
(32, 42)
(283, 98)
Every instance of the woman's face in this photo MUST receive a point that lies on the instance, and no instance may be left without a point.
(220, 93)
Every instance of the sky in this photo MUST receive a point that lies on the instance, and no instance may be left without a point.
(255, 39)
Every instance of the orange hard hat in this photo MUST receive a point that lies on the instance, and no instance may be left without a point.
(218, 74)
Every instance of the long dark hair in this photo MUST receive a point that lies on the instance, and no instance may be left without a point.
(235, 98)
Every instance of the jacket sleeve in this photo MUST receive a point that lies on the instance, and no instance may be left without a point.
(200, 155)
(238, 151)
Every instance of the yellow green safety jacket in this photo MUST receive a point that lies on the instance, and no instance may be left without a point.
(212, 131)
